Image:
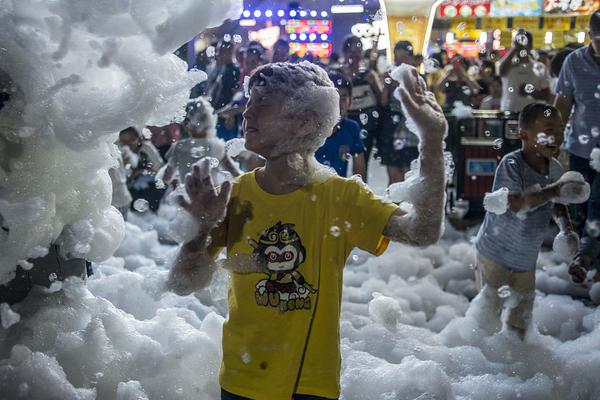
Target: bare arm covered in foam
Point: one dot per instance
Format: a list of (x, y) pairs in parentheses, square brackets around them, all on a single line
[(421, 224), (194, 266)]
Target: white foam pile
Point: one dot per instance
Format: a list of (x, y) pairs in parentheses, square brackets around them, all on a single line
[(404, 331), (77, 72), (496, 202)]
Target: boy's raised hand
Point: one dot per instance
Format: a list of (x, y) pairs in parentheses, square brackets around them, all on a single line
[(420, 104), (206, 205)]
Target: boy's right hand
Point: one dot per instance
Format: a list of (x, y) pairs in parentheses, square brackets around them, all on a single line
[(206, 205)]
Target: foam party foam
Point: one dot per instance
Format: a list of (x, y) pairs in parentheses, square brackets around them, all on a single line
[(497, 201), (77, 73)]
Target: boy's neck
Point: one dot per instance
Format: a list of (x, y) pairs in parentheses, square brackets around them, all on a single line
[(285, 174), (536, 161)]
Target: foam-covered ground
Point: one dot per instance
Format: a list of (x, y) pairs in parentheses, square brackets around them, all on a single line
[(408, 331)]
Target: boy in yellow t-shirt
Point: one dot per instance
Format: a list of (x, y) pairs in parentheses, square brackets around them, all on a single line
[(289, 227)]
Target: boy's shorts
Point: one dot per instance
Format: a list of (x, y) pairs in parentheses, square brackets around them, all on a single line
[(225, 395), (521, 284)]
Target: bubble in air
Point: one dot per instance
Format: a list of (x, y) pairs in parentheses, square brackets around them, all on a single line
[(487, 133), (52, 277), (363, 134), (213, 162), (593, 228), (399, 144), (364, 118), (388, 80), (197, 152), (547, 113), (523, 53), (522, 39), (461, 26), (597, 95), (584, 139), (160, 184), (504, 292), (335, 231), (375, 114), (511, 89), (529, 88), (595, 131), (246, 358), (497, 144), (431, 65), (141, 205)]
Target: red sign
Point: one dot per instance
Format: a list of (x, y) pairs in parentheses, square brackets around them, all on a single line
[(464, 8), (571, 7)]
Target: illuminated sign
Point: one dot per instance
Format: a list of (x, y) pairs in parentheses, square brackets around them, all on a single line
[(464, 8), (571, 7), (309, 36), (516, 8)]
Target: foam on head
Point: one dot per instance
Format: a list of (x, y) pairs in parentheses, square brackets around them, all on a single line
[(306, 89)]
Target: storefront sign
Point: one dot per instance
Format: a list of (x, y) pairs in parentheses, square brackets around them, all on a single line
[(557, 24), (516, 8), (570, 7), (527, 23), (491, 24), (464, 8)]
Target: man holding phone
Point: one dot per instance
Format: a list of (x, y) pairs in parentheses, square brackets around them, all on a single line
[(524, 80)]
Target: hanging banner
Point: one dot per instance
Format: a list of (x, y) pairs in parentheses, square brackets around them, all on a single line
[(464, 8), (570, 7), (516, 8)]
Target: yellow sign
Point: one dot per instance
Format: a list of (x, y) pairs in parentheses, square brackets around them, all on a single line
[(557, 24), (506, 39), (528, 23), (462, 24), (491, 24), (582, 23)]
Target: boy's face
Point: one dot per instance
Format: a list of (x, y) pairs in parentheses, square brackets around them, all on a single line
[(130, 139), (545, 136), (265, 123), (345, 101)]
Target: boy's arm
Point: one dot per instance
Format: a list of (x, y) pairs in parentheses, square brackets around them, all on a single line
[(422, 226), (528, 201), (193, 267), (560, 214)]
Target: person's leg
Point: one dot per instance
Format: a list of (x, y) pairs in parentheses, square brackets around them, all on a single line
[(225, 395), (490, 276), (523, 286), (590, 240)]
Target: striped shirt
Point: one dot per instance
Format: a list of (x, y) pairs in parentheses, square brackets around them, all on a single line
[(514, 240), (580, 78)]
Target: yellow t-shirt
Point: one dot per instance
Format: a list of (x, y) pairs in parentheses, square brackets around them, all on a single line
[(282, 334)]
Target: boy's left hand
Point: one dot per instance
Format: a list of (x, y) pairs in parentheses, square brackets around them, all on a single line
[(566, 244), (420, 104)]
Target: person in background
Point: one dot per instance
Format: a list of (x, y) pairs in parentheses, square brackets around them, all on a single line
[(456, 83), (164, 136), (202, 141), (143, 161), (281, 51), (578, 92), (254, 57), (524, 80), (396, 144), (225, 84), (487, 71), (556, 66), (345, 141), (206, 64), (492, 100), (508, 244), (366, 92), (435, 69)]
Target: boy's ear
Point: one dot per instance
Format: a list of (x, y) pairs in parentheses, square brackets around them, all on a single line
[(523, 134)]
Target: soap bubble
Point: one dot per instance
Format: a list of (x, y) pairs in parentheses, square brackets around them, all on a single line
[(522, 39), (523, 53), (529, 88), (547, 113), (595, 131), (504, 292), (497, 144), (197, 152), (399, 144), (335, 231), (431, 65), (160, 184), (375, 114), (584, 139), (213, 162), (511, 89), (487, 133), (363, 134), (141, 205), (461, 27), (388, 80), (364, 118)]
